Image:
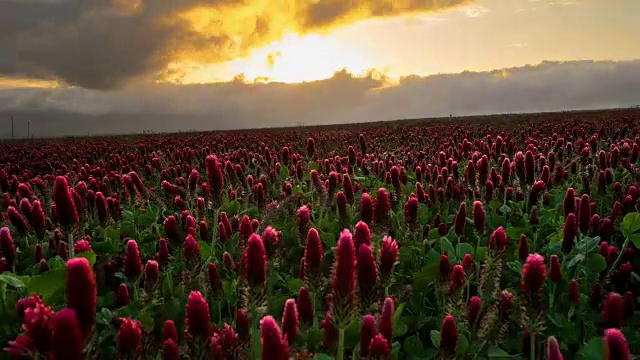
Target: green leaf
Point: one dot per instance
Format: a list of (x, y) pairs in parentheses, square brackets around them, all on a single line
[(515, 232), (232, 208), (494, 352), (465, 248), (481, 253), (435, 338), (427, 275), (399, 329), (593, 350), (284, 171), (11, 280), (205, 249), (127, 215), (395, 350), (89, 255), (462, 345), (413, 345), (128, 228), (294, 285), (446, 247), (147, 319), (505, 209), (597, 263), (315, 337), (319, 356), (631, 224), (352, 334), (48, 284), (575, 261)]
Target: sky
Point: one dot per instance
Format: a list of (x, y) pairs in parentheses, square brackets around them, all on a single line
[(236, 63)]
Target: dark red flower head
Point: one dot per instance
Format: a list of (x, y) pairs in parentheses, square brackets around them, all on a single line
[(467, 263), (290, 321), (361, 235), (245, 228), (122, 295), (379, 347), (197, 319), (533, 274), (366, 209), (66, 212), (381, 207), (271, 339), (458, 278), (460, 219), (163, 252), (553, 349), (555, 274), (170, 350), (171, 228), (151, 272), (313, 254), (305, 306), (498, 240), (615, 345), (613, 310), (81, 246), (67, 340), (569, 203), (242, 324), (411, 212), (569, 233), (573, 295), (445, 267), (385, 326), (81, 292), (191, 250), (303, 218), (17, 220), (132, 261), (388, 256), (129, 337), (367, 273), (169, 331), (8, 247), (254, 262), (475, 304), (367, 333), (479, 216), (523, 248), (449, 335), (271, 240), (344, 274)]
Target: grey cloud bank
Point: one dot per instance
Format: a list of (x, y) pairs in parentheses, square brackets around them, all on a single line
[(549, 86)]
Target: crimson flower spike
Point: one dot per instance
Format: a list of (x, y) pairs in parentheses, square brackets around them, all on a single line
[(343, 281)]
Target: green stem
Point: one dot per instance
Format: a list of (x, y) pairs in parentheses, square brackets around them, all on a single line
[(313, 309), (620, 255), (480, 349), (532, 342), (340, 355), (70, 244), (553, 296)]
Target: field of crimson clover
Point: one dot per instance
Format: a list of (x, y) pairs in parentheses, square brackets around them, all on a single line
[(459, 241)]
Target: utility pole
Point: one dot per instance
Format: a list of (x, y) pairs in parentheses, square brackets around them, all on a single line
[(29, 129), (12, 123)]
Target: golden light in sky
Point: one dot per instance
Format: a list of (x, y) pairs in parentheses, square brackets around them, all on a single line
[(294, 58), (482, 35)]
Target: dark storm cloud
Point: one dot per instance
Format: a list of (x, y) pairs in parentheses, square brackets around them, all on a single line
[(104, 44), (549, 86)]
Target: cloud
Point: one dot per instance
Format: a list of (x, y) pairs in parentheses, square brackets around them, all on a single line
[(105, 44), (344, 98)]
